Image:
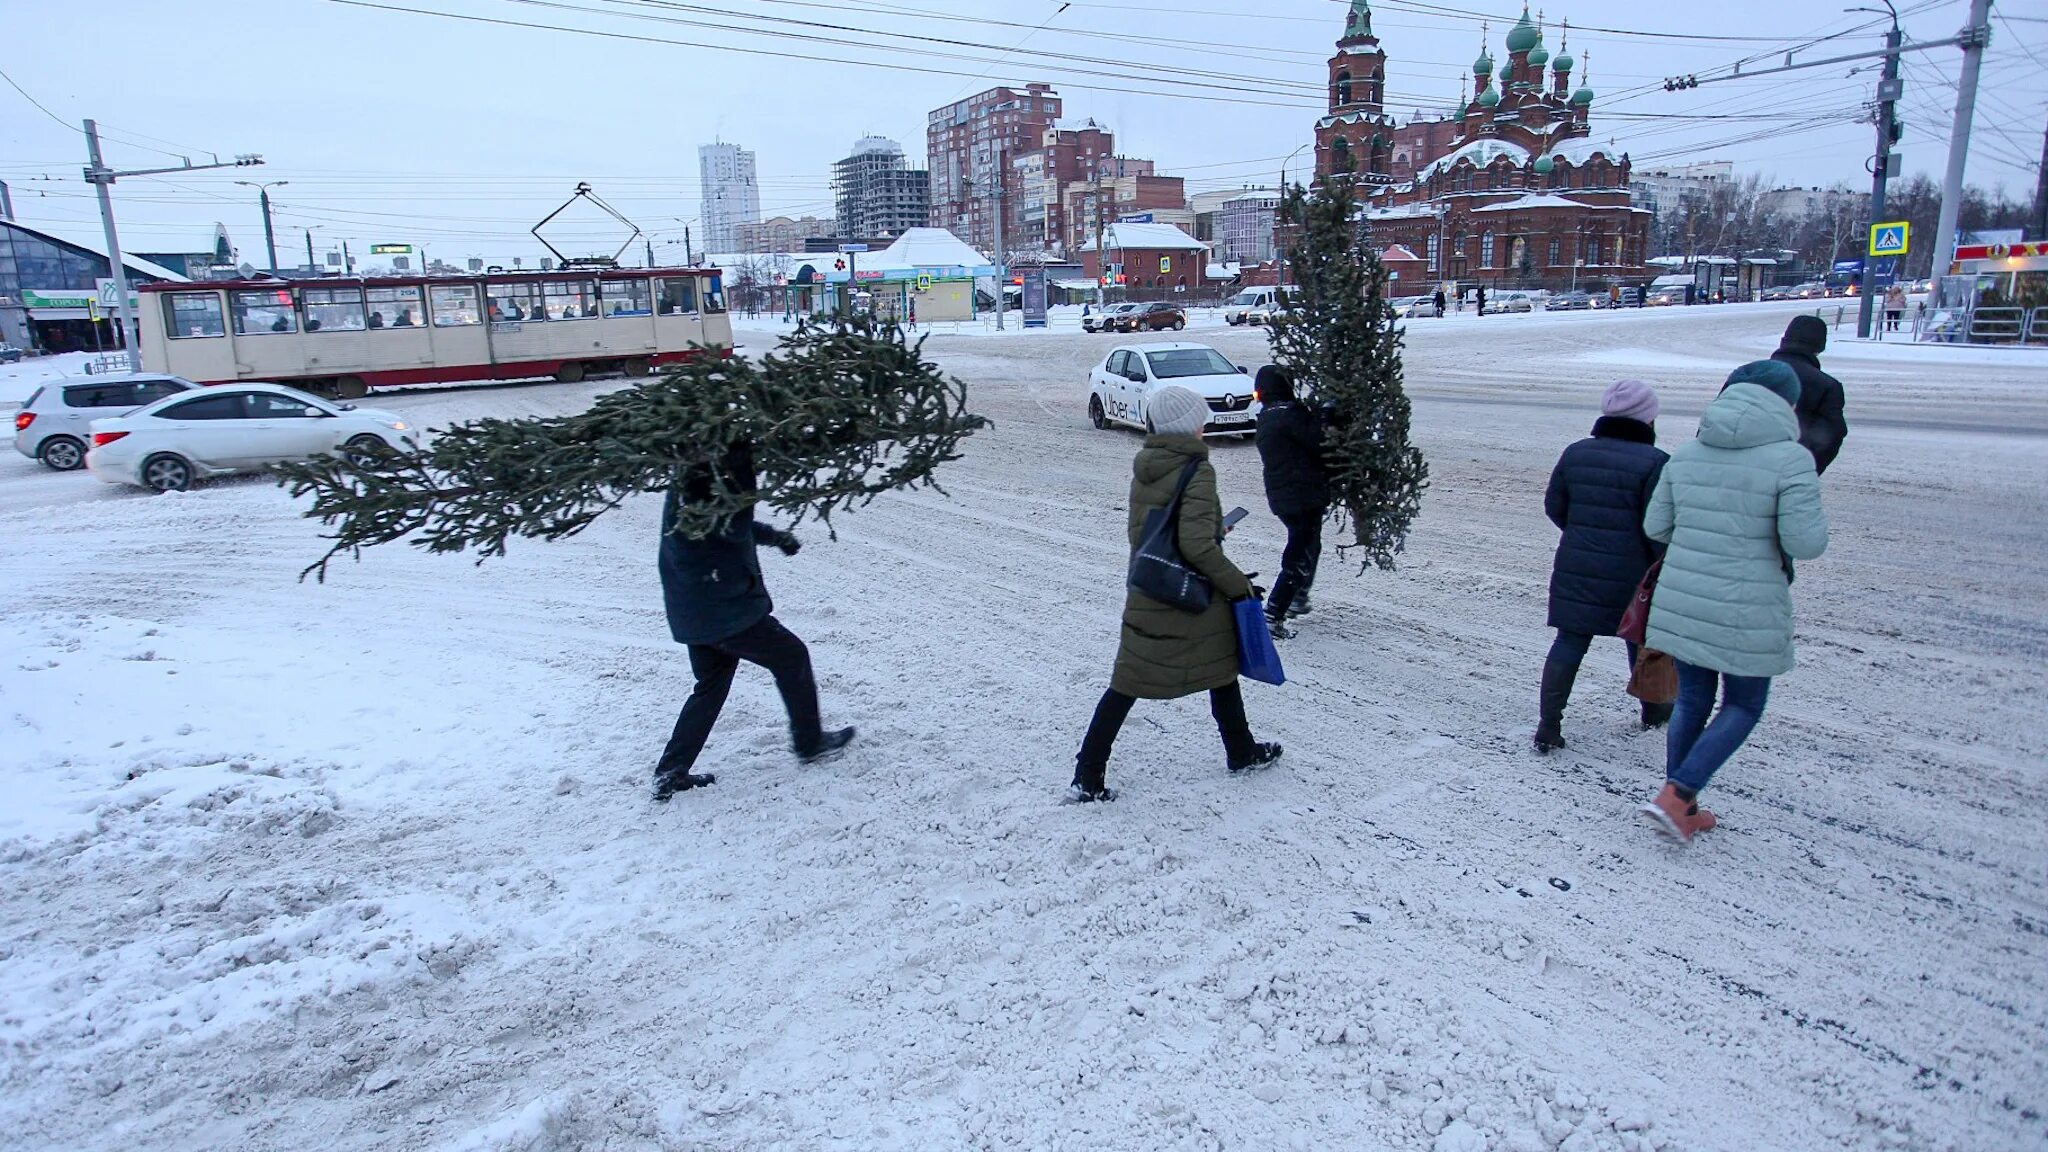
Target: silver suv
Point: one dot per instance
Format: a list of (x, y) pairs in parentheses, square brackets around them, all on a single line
[(55, 426)]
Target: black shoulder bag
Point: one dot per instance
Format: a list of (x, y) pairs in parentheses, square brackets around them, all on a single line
[(1157, 568)]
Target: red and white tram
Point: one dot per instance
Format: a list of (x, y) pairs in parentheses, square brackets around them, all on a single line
[(345, 336)]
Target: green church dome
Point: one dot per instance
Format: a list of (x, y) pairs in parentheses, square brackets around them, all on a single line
[(1583, 96), (1484, 65), (1563, 63), (1539, 56), (1490, 98), (1544, 164), (1523, 36)]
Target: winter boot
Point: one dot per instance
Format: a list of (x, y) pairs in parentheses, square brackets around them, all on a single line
[(1278, 627), (1655, 716), (1300, 607), (1555, 693), (670, 783), (1677, 817), (828, 748), (1088, 785), (1260, 756)]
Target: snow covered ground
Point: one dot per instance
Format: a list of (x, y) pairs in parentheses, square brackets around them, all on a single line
[(370, 864)]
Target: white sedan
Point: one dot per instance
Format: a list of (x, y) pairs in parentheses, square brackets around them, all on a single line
[(1119, 386), (168, 445)]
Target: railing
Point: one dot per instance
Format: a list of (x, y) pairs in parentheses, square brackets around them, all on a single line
[(2037, 327), (1998, 325), (109, 362)]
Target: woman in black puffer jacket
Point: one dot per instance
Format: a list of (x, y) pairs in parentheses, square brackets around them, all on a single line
[(1597, 496)]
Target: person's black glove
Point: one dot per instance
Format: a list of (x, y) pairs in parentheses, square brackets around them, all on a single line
[(1252, 578), (787, 543)]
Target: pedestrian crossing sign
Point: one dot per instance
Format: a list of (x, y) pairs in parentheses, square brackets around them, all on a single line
[(1890, 239)]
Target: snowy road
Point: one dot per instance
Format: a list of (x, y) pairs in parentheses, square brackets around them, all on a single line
[(370, 864)]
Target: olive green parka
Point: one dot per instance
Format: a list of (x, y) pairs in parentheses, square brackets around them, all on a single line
[(1167, 652)]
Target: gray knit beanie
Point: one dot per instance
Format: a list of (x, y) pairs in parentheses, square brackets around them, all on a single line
[(1177, 411)]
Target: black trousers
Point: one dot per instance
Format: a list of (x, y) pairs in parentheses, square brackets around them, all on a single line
[(1226, 704), (767, 644), (1298, 561)]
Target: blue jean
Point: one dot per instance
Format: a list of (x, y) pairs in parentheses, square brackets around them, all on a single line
[(1694, 748)]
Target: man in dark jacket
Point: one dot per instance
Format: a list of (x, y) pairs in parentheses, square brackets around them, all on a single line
[(718, 604), (1597, 495), (1297, 489), (1821, 426)]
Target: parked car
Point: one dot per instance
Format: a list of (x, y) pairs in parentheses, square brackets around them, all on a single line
[(1409, 307), (1150, 318), (1665, 297), (55, 425), (1247, 302), (1509, 302), (1119, 385), (169, 445), (1920, 288), (10, 353), (1569, 302), (1781, 292), (1099, 319)]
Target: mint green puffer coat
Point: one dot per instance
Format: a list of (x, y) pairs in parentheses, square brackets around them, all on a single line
[(1736, 506)]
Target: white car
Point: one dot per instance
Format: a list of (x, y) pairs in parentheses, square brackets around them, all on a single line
[(168, 445), (1118, 387), (55, 425), (1249, 303)]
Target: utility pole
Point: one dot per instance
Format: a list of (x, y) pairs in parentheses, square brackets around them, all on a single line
[(2041, 192), (312, 269), (1101, 253), (263, 198), (102, 179), (1974, 40), (1889, 89), (689, 258), (650, 253), (1002, 269)]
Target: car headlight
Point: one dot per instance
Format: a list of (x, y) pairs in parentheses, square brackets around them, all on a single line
[(397, 425)]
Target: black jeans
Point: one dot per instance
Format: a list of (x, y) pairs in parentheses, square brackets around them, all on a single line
[(771, 646), (1226, 704), (1298, 561), (1570, 649)]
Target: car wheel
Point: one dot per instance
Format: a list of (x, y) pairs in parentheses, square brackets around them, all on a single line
[(351, 388), (1096, 415), (569, 373), (166, 473), (638, 366), (1179, 324), (365, 449), (61, 453)]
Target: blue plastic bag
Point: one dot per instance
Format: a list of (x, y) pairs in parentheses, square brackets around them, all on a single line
[(1257, 658)]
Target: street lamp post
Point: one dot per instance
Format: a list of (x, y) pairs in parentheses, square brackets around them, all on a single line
[(1283, 200), (263, 198)]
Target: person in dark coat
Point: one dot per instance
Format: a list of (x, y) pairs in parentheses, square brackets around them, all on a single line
[(717, 603), (1297, 490), (1438, 300), (1597, 495), (1481, 299), (1821, 425), (1165, 652)]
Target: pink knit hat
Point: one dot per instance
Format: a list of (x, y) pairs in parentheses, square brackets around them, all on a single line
[(1630, 400)]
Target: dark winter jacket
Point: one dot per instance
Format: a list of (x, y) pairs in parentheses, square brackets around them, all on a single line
[(712, 588), (1821, 426), (1167, 652), (1597, 495), (1291, 447)]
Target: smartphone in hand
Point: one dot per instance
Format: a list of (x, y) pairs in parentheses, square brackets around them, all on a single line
[(1231, 518)]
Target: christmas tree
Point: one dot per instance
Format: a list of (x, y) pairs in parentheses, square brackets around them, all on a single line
[(1338, 338), (839, 414)]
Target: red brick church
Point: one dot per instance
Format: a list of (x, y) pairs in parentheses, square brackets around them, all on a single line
[(1512, 192)]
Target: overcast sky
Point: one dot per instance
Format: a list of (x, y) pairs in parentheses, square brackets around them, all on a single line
[(393, 126)]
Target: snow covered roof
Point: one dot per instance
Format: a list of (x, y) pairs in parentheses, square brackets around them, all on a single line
[(96, 244), (1255, 194), (1583, 149), (925, 248), (1226, 270), (1399, 252), (1404, 212), (1532, 200), (1666, 261), (1479, 153), (1156, 236)]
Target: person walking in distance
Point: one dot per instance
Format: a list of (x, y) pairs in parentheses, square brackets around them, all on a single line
[(717, 603), (1597, 496), (1290, 441), (1737, 507), (1166, 652), (1479, 300), (1894, 306), (1822, 427), (1438, 300)]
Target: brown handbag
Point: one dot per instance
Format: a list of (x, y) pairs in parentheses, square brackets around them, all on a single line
[(1654, 680)]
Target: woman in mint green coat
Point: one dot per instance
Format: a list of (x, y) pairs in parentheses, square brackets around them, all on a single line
[(1736, 506)]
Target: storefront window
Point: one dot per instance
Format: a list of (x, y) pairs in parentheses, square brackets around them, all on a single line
[(193, 314), (626, 298), (678, 295), (570, 299), (516, 302), (334, 309), (396, 307), (455, 305), (264, 312)]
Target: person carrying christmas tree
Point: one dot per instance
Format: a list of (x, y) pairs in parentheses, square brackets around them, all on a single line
[(1297, 490), (717, 604)]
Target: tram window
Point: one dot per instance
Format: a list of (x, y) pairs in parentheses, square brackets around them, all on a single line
[(395, 307), (515, 302), (455, 305), (678, 295), (193, 314), (570, 299), (334, 309), (714, 295), (625, 298), (261, 313)]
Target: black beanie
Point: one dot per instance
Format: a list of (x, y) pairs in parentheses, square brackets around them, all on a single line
[(1274, 384), (1808, 334)]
